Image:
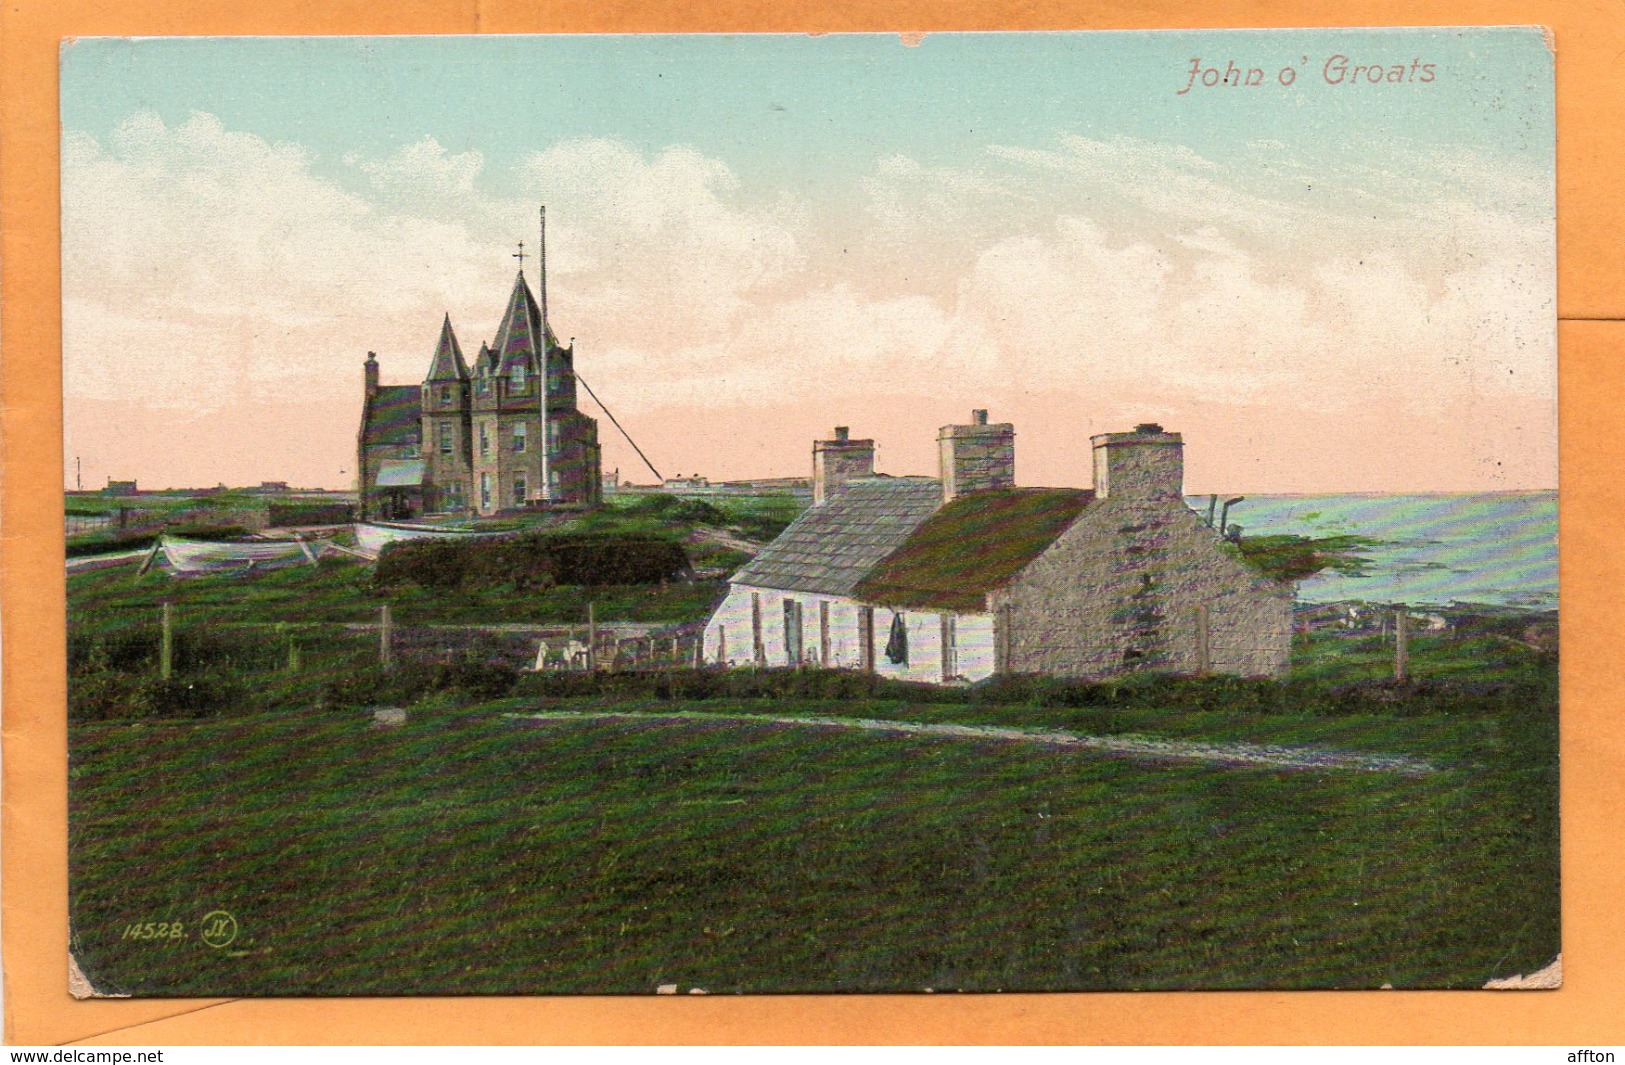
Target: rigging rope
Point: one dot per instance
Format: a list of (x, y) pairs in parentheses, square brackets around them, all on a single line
[(618, 425)]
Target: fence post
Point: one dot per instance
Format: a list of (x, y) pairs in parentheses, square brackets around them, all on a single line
[(385, 650), (166, 643), (285, 631), (1401, 652), (592, 639)]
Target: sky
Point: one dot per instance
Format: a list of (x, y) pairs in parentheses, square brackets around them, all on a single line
[(1334, 271)]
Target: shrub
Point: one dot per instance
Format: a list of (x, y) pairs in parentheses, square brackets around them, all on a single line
[(408, 682), (113, 697), (197, 649), (677, 509), (534, 562), (283, 514)]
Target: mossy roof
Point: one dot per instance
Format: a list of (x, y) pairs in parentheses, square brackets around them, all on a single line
[(971, 546)]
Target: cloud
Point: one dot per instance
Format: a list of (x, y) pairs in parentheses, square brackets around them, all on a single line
[(658, 248), (209, 270)]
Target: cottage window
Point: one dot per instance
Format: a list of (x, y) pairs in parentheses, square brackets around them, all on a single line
[(445, 395), (447, 439), (485, 439), (519, 437), (519, 489), (519, 377), (485, 491)]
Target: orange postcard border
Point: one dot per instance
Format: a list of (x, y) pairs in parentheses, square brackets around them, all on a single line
[(1588, 39)]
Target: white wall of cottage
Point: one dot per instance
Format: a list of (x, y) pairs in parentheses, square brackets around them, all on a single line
[(730, 636)]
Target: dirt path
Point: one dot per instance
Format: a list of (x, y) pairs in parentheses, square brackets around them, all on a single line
[(1240, 754)]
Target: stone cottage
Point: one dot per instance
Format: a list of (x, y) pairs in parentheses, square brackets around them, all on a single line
[(963, 576)]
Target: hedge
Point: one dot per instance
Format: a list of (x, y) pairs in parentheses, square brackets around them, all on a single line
[(532, 562)]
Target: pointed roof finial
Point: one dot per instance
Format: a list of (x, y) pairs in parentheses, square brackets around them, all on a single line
[(520, 255), (447, 363)]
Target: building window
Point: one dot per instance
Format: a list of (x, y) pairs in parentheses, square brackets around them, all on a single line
[(519, 377), (552, 435), (447, 439), (519, 489), (519, 437), (485, 438), (445, 395), (485, 386), (485, 491)]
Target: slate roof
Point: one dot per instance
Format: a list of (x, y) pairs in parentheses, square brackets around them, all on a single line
[(448, 364), (394, 416), (523, 336), (970, 547), (830, 548)]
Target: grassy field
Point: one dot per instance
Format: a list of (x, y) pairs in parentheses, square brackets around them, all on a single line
[(473, 851), (660, 829)]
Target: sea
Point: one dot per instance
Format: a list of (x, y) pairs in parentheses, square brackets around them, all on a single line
[(1482, 548)]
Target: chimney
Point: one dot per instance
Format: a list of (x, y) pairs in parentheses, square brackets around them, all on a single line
[(1148, 463), (372, 374), (977, 456), (838, 461)]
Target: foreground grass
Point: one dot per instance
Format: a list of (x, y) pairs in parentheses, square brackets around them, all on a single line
[(468, 852)]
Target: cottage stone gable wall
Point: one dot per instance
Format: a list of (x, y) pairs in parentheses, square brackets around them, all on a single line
[(1120, 590)]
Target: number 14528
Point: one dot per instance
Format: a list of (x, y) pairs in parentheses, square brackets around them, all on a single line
[(154, 930)]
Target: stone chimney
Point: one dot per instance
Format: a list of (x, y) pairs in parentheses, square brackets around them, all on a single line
[(372, 374), (977, 456), (838, 461), (1148, 463)]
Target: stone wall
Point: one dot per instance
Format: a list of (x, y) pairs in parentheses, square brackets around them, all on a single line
[(977, 457), (1120, 590), (838, 461)]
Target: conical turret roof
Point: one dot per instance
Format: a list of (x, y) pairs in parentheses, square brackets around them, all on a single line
[(448, 364), (524, 335)]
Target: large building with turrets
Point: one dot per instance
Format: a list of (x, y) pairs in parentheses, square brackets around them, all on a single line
[(500, 435)]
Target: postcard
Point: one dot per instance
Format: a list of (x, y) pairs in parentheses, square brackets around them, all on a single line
[(720, 514)]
